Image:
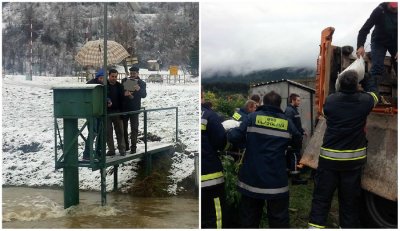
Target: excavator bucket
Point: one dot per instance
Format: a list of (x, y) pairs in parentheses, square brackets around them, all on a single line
[(380, 172), (311, 153)]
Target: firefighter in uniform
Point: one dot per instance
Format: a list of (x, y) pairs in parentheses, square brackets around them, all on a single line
[(262, 177), (342, 154), (237, 150), (293, 154), (213, 139), (249, 107)]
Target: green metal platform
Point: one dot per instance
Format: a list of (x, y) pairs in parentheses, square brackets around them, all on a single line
[(118, 159), (73, 102)]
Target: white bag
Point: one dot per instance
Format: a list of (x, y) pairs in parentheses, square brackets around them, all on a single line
[(229, 124), (358, 65)]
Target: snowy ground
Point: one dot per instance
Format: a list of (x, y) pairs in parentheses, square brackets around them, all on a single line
[(28, 132)]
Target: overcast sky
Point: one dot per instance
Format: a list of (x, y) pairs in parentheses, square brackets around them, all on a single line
[(242, 36)]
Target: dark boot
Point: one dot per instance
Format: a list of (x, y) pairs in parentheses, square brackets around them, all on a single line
[(110, 153), (296, 180)]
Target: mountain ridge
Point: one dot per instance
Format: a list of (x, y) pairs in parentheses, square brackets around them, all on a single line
[(260, 75)]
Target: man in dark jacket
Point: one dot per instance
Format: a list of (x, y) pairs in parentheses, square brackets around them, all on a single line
[(115, 92), (383, 39), (98, 79), (213, 139), (256, 98), (293, 154), (132, 102), (237, 150), (267, 133), (343, 153)]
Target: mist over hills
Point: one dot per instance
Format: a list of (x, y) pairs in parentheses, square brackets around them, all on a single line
[(260, 76)]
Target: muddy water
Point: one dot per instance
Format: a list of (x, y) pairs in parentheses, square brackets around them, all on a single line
[(43, 208)]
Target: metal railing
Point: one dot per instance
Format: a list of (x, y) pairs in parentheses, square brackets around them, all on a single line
[(145, 112), (59, 160), (69, 159)]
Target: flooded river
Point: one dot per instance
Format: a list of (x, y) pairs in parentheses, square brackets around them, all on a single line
[(44, 208)]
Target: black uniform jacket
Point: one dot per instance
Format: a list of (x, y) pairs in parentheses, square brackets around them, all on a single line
[(267, 133), (213, 139), (345, 143), (240, 114), (294, 115)]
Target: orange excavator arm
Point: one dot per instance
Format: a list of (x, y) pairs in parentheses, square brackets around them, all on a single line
[(323, 68), (324, 64)]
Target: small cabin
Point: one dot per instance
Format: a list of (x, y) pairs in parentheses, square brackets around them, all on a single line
[(284, 88), (153, 65)]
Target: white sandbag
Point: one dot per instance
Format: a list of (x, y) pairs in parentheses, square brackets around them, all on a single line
[(228, 124), (358, 65)]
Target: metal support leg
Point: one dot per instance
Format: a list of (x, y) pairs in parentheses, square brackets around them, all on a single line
[(70, 172), (196, 176), (103, 186), (115, 178), (147, 155), (148, 164)]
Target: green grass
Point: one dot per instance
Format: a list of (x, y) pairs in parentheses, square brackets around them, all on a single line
[(300, 206)]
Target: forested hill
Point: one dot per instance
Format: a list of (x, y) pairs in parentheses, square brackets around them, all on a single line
[(260, 76), (167, 32)]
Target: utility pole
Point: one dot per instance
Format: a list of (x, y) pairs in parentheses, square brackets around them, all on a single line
[(29, 76)]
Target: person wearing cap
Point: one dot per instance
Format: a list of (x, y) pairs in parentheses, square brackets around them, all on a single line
[(98, 79), (132, 102), (383, 39)]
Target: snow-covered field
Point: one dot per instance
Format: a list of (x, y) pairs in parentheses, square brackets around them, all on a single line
[(28, 132)]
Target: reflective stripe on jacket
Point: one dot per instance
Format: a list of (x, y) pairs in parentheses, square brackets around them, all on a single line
[(213, 139), (343, 155), (212, 179), (267, 133), (240, 114), (345, 144)]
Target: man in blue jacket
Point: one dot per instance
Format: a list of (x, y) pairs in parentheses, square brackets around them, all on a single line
[(383, 39), (213, 139), (293, 154), (343, 153), (98, 79), (262, 177)]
